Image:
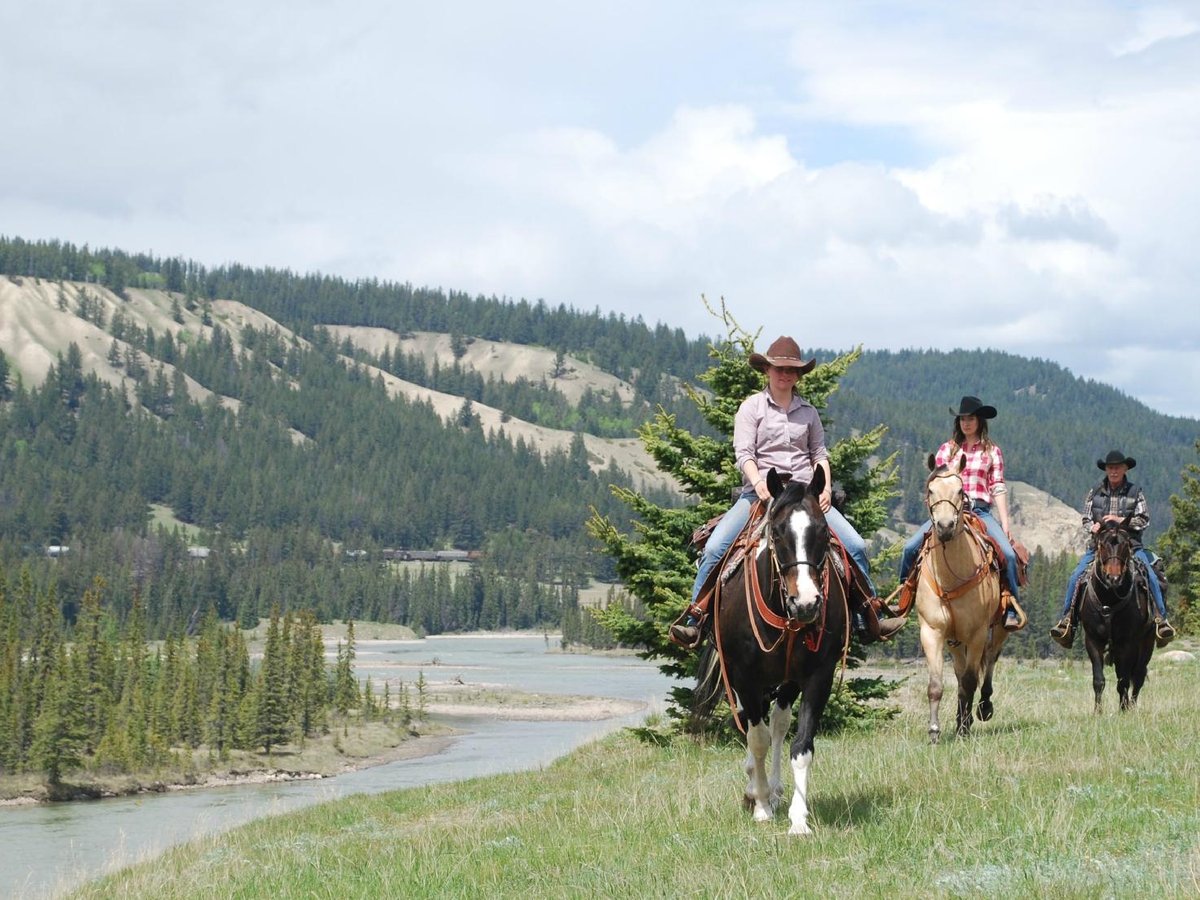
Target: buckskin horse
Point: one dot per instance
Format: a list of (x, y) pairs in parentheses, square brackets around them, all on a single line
[(1115, 615), (958, 600), (779, 629)]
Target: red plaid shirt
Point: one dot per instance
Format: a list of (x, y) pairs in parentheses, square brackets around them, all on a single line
[(983, 476)]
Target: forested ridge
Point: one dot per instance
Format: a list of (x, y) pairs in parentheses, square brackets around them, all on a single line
[(281, 450), (317, 457), (1052, 425)]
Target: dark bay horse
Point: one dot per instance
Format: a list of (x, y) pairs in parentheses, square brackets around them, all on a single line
[(958, 600), (1115, 615), (779, 629)]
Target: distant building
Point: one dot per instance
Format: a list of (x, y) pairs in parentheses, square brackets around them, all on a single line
[(200, 553), (56, 550), (431, 555)]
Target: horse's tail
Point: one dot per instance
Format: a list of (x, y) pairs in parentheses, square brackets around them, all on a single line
[(710, 688)]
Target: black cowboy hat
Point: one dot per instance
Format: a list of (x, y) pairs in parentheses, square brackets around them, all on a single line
[(1116, 457), (783, 352), (973, 406)]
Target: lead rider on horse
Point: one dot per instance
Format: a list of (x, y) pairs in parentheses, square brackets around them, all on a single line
[(1114, 498), (778, 429)]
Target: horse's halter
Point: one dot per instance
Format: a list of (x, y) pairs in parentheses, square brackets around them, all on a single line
[(817, 568), (769, 528), (957, 503), (1113, 555)]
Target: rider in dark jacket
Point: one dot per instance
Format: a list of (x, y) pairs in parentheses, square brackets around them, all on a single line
[(1114, 498)]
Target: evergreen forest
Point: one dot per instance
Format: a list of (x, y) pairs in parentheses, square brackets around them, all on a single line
[(299, 469)]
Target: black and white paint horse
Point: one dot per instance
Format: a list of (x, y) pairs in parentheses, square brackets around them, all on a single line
[(779, 630)]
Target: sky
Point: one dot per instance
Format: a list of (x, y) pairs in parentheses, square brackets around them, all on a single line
[(1016, 176)]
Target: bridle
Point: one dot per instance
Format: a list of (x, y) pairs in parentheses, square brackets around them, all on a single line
[(779, 567), (958, 503), (1113, 555), (787, 626)]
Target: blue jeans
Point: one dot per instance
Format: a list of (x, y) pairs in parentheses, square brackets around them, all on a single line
[(732, 523), (913, 546), (1141, 553)]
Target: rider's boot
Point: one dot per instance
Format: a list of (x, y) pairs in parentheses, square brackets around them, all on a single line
[(890, 625), (1012, 621), (1064, 632), (1164, 632), (870, 626), (687, 633)]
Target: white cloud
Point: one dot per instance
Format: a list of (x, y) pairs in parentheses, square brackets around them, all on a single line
[(1022, 176)]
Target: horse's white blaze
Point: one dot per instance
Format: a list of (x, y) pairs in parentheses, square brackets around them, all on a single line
[(808, 590), (798, 811)]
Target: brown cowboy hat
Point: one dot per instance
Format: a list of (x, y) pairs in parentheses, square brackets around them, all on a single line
[(783, 352), (973, 406), (1116, 457)]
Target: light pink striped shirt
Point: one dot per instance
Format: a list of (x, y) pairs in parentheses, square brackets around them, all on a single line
[(791, 441)]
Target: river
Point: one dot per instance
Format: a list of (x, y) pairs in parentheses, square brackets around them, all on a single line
[(47, 849)]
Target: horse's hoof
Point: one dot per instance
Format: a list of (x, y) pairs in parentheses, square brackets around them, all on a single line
[(934, 736), (763, 814), (985, 710), (801, 829)]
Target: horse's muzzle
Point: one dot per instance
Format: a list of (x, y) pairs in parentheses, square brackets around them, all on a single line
[(804, 612)]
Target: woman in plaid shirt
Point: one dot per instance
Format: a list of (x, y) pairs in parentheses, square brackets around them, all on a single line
[(983, 483)]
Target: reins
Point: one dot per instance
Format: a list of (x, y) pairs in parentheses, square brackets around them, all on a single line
[(1095, 578), (787, 627), (964, 584)]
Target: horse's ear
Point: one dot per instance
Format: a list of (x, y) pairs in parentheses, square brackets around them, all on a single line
[(962, 462), (1125, 522), (818, 481), (931, 461), (774, 483)]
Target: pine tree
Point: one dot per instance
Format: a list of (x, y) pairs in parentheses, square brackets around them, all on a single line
[(59, 733), (1180, 548), (345, 688), (308, 652), (97, 665), (656, 564), (272, 713)]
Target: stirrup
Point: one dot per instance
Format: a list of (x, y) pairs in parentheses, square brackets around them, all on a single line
[(687, 635), (1164, 632), (1012, 610), (1063, 633)]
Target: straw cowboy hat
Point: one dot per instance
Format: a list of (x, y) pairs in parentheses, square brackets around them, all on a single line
[(973, 406), (1116, 457), (783, 352)]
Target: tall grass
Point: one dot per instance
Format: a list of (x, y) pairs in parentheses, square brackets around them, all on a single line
[(1046, 800)]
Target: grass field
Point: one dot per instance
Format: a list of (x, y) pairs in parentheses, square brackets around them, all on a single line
[(1046, 800)]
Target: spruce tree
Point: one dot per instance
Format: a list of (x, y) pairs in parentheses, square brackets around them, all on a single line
[(656, 563), (1180, 547), (272, 713), (59, 733), (345, 689)]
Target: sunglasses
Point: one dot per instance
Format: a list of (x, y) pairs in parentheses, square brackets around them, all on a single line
[(787, 370)]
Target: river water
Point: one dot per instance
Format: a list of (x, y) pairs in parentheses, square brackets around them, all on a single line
[(49, 848)]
